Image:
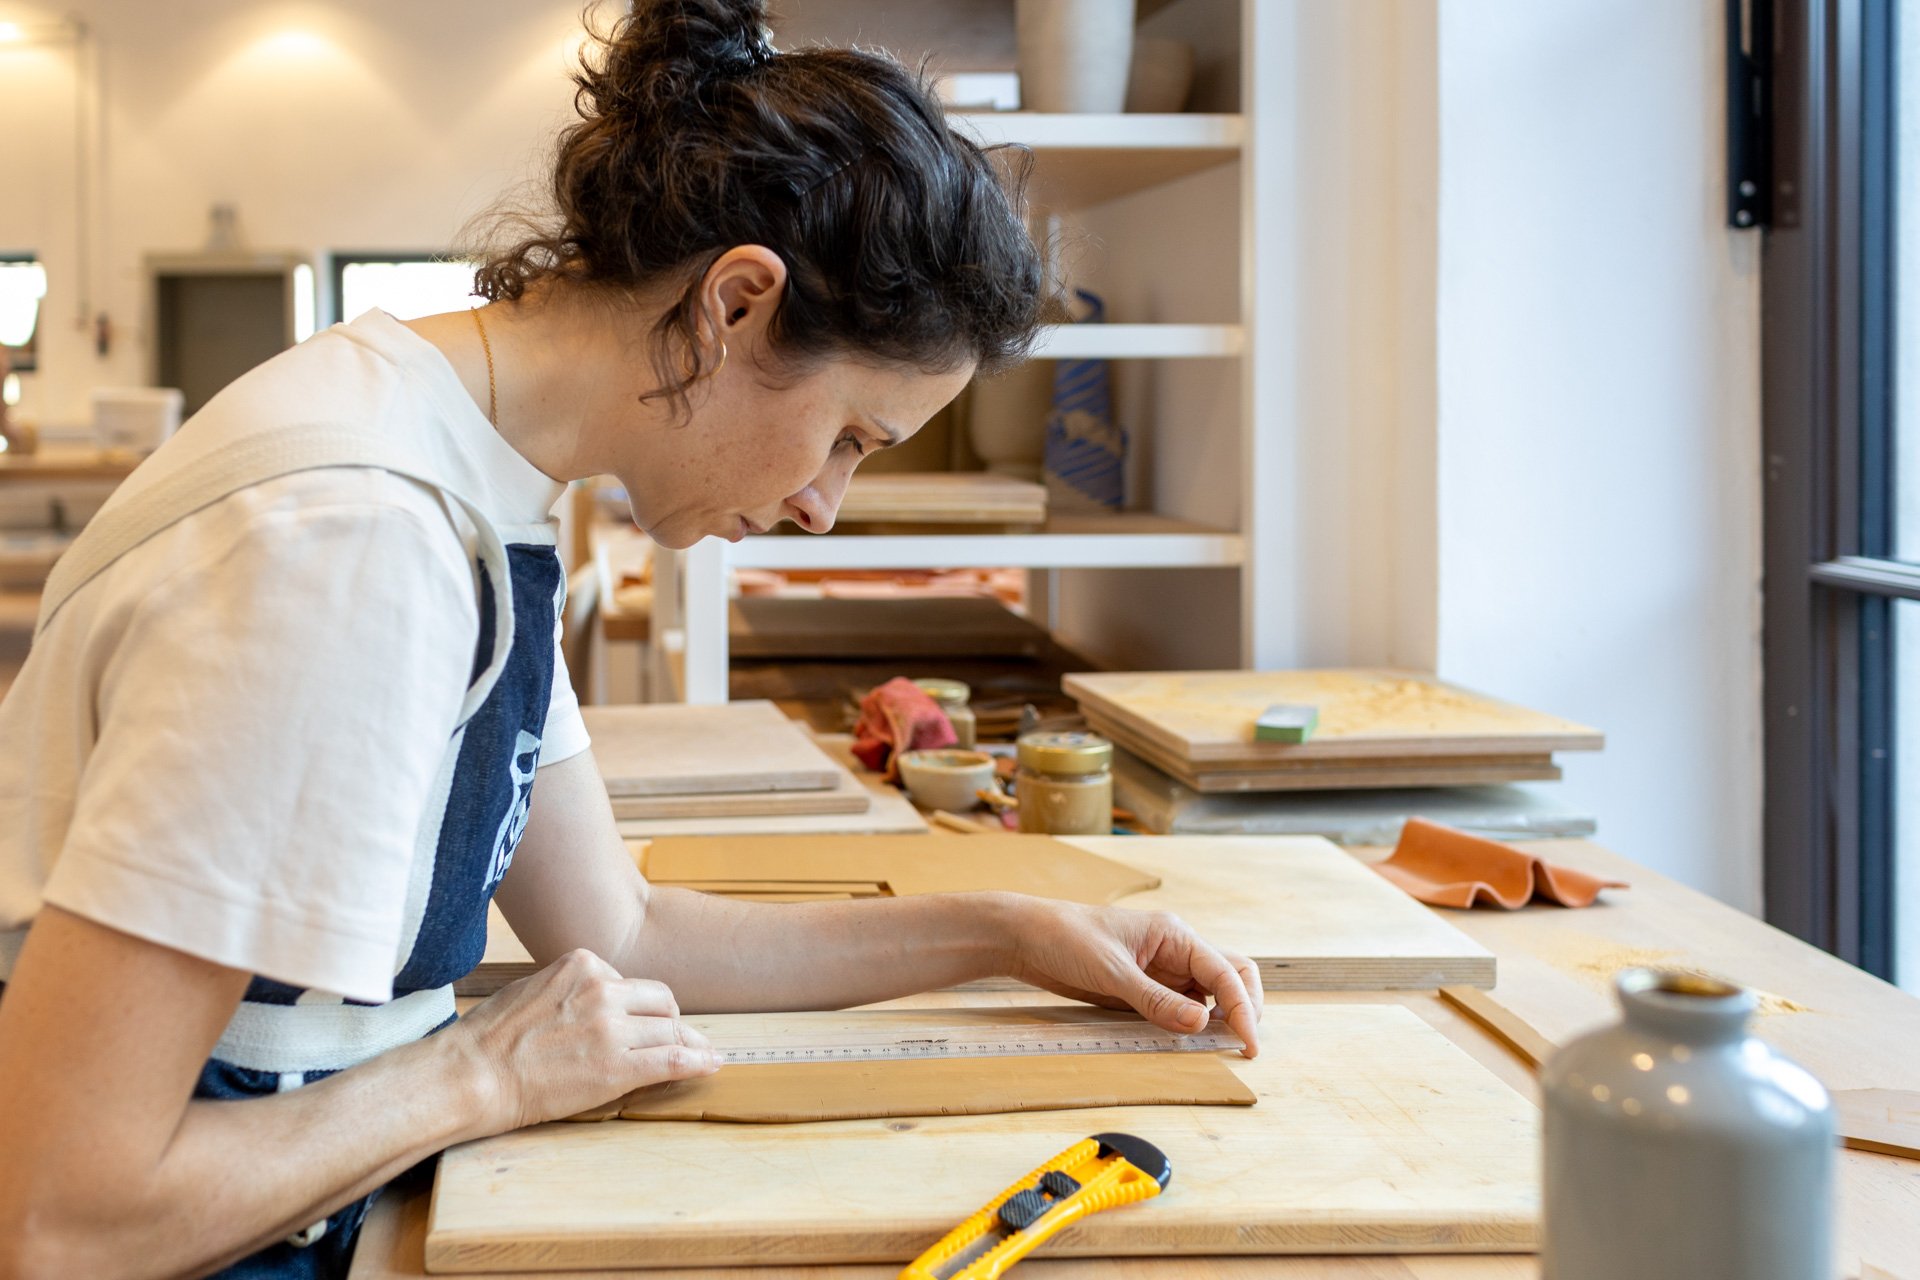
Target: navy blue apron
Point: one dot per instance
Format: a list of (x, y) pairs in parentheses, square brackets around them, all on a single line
[(486, 813)]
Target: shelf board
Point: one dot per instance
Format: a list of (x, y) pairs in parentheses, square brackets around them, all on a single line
[(1083, 160), (1127, 541), (1138, 341)]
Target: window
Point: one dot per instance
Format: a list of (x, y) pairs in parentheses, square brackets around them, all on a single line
[(23, 284), (405, 285), (1841, 387)]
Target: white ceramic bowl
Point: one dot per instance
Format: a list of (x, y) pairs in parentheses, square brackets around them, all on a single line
[(948, 778)]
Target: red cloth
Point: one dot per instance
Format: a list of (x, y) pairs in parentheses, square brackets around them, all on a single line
[(899, 716), (1445, 867)]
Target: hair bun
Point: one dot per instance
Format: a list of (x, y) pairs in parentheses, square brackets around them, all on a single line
[(663, 50)]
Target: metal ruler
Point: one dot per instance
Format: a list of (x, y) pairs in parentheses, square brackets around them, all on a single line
[(977, 1041)]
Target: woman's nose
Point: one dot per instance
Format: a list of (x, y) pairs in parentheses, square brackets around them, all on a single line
[(814, 507)]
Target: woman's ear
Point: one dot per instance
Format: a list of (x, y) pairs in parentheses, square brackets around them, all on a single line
[(742, 291)]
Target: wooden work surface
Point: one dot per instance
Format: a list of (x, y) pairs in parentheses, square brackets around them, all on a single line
[(1879, 1196), (65, 463), (1372, 1133)]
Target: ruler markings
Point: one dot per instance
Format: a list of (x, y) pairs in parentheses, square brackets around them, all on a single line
[(985, 1042)]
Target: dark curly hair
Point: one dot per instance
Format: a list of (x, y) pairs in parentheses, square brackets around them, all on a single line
[(696, 135)]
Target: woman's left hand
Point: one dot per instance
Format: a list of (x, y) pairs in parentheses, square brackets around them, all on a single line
[(1149, 961)]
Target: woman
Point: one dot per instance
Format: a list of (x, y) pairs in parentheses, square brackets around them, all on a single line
[(295, 713)]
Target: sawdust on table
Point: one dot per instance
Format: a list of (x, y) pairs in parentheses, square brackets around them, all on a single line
[(1603, 967)]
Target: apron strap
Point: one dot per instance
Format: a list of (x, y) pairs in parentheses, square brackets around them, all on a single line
[(188, 479)]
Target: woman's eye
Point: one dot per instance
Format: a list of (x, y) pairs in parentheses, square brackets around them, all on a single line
[(859, 445)]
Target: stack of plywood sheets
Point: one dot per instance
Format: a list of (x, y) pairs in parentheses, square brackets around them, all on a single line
[(943, 497), (1376, 729), (1371, 1134), (738, 760)]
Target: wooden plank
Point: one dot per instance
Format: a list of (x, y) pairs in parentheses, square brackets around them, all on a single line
[(1338, 773), (943, 497), (848, 797), (1346, 1152), (948, 627), (672, 749), (1206, 717), (1886, 1121)]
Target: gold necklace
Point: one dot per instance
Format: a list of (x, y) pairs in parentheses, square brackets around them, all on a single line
[(493, 400)]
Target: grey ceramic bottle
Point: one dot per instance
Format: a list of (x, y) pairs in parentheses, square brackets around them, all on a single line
[(1679, 1147)]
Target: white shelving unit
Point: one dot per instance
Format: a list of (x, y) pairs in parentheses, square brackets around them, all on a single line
[(1138, 341), (1080, 162)]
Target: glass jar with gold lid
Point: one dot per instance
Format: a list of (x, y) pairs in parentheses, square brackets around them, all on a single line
[(953, 697), (1065, 784)]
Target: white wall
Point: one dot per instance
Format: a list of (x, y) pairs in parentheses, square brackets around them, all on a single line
[(1598, 428), (355, 124), (1519, 440)]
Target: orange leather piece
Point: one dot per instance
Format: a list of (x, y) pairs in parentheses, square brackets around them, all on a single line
[(1445, 867)]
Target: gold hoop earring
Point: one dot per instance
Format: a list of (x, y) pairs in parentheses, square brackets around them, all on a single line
[(690, 367)]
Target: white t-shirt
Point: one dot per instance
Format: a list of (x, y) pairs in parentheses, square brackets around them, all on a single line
[(235, 741)]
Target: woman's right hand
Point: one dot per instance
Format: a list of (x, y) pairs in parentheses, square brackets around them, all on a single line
[(573, 1036)]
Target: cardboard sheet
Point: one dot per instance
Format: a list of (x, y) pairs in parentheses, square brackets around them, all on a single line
[(1017, 863), (796, 1092)]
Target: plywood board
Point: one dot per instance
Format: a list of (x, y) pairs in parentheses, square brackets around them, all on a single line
[(1309, 915), (943, 497), (1340, 773), (1206, 717), (1370, 816), (848, 797), (946, 627), (1372, 1134), (673, 749), (890, 813)]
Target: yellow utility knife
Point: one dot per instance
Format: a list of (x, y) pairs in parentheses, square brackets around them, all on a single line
[(1103, 1172)]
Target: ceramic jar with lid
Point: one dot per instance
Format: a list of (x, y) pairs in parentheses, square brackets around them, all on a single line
[(953, 697), (1678, 1146), (1065, 784)]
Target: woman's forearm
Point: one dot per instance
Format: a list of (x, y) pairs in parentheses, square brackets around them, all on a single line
[(283, 1162), (111, 1171), (354, 1132), (720, 955)]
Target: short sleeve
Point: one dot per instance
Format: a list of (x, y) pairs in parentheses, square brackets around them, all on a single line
[(270, 725)]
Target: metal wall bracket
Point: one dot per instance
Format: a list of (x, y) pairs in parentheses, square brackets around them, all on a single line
[(1749, 113)]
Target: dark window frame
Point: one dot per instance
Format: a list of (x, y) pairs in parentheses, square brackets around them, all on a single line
[(1827, 399), (339, 260), (26, 358)]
